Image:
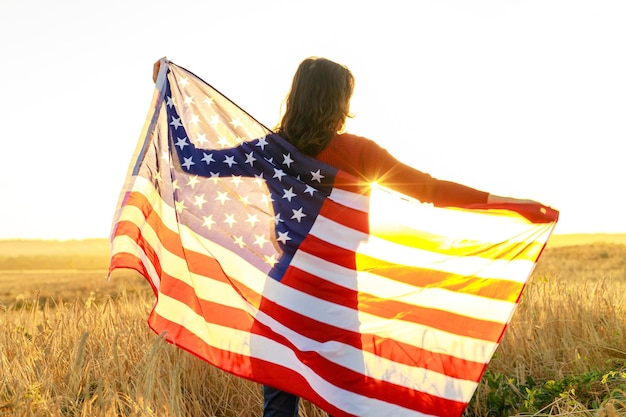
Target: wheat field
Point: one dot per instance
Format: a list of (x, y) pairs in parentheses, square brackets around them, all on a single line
[(73, 344)]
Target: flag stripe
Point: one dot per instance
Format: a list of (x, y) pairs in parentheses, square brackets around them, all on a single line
[(172, 309), (452, 224), (460, 303), (420, 277), (283, 377), (343, 216), (391, 307), (337, 234)]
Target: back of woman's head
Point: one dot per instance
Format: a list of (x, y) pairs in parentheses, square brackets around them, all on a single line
[(317, 104)]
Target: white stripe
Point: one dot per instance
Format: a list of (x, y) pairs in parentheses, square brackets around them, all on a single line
[(124, 244), (469, 305), (263, 348), (388, 210), (371, 365), (349, 199), (516, 270)]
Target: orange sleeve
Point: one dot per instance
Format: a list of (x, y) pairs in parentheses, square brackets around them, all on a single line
[(366, 159)]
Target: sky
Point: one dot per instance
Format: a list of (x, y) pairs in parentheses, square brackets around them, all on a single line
[(518, 98)]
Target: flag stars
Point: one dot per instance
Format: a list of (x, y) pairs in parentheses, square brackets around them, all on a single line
[(176, 122), (238, 240), (298, 214), (279, 173), (214, 176), (245, 200), (193, 181), (283, 237), (289, 194), (258, 179), (201, 139), (236, 123), (188, 163), (194, 119), (271, 260), (260, 240), (180, 206), (199, 201), (230, 160), (253, 219), (223, 141), (222, 197), (287, 160), (208, 158), (236, 179), (230, 219), (277, 219), (181, 142), (266, 200), (183, 82), (250, 158), (310, 190), (208, 222), (261, 143), (316, 176), (209, 101), (169, 102), (188, 99), (215, 120)]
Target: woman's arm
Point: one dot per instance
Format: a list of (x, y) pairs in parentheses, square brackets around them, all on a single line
[(500, 199)]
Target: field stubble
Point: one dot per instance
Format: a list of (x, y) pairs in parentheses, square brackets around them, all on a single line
[(74, 344)]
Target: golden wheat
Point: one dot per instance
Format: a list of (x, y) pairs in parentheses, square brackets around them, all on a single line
[(93, 354)]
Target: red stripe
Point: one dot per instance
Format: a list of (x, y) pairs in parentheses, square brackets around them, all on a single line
[(418, 277), (130, 261), (340, 376), (495, 289), (244, 366), (410, 237), (387, 308), (347, 182), (346, 216), (171, 241)]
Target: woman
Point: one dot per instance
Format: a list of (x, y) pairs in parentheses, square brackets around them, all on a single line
[(316, 110)]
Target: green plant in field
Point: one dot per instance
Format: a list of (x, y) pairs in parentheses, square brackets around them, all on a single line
[(503, 396)]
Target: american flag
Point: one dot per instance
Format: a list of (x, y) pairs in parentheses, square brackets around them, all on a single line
[(281, 269)]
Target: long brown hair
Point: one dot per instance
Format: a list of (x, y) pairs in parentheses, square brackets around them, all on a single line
[(317, 104)]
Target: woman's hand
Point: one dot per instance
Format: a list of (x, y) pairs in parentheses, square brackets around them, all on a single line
[(155, 69)]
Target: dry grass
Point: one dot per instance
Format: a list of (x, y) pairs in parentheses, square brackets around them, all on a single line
[(72, 344)]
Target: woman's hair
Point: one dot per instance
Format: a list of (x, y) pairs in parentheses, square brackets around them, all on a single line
[(317, 104)]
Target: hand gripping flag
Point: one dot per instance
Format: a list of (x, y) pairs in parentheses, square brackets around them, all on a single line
[(278, 268)]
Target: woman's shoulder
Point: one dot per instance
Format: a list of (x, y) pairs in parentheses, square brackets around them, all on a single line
[(351, 138)]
